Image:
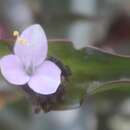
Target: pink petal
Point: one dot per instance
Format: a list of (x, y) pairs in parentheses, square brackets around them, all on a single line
[(34, 50), (46, 79), (13, 71)]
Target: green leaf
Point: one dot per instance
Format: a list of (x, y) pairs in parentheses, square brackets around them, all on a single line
[(122, 85), (5, 47), (93, 70)]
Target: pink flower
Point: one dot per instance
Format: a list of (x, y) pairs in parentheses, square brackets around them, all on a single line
[(28, 64)]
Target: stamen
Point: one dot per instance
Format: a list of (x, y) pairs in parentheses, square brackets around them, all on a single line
[(16, 33), (20, 39)]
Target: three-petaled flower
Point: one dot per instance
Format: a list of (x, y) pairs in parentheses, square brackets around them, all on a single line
[(28, 64)]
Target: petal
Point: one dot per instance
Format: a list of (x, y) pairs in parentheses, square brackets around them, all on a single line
[(34, 48), (46, 79), (13, 71)]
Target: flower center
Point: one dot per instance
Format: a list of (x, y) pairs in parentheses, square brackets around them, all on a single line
[(29, 69)]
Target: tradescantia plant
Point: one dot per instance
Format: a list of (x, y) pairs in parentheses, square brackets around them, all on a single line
[(29, 67), (65, 77)]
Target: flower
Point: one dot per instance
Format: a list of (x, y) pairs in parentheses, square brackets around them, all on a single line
[(28, 64)]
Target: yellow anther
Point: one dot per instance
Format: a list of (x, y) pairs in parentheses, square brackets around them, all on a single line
[(16, 33), (20, 39)]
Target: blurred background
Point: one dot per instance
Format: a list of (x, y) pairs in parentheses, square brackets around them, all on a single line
[(102, 23)]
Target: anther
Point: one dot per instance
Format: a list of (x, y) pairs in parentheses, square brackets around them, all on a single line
[(20, 39), (15, 33)]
